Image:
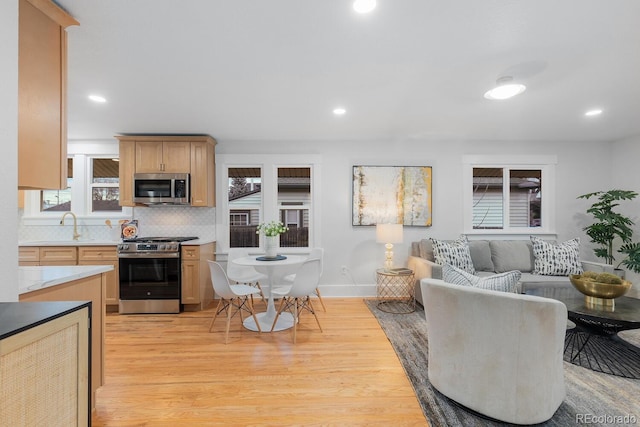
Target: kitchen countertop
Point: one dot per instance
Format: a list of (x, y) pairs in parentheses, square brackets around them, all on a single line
[(16, 317), (68, 243), (196, 242), (35, 278)]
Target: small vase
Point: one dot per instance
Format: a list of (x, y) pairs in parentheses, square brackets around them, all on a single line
[(271, 245)]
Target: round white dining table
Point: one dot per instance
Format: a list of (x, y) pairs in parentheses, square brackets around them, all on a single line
[(275, 270)]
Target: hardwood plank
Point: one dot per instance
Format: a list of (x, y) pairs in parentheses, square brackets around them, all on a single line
[(167, 370)]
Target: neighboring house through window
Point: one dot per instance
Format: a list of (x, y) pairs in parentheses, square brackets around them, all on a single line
[(278, 188), (506, 194), (93, 193)]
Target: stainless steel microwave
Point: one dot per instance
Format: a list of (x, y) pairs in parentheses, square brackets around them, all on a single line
[(161, 188)]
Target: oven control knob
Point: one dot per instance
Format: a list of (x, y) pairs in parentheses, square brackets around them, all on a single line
[(161, 247)]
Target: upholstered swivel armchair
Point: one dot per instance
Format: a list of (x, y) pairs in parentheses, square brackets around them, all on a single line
[(496, 353)]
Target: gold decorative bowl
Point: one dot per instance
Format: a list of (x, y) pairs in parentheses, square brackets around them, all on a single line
[(598, 294)]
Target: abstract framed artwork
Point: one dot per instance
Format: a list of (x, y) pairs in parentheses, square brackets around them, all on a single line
[(392, 194)]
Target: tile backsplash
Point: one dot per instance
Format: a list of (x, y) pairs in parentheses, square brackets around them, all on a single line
[(152, 221)]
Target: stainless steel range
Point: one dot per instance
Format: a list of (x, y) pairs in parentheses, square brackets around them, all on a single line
[(150, 274)]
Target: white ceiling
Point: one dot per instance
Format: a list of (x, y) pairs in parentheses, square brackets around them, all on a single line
[(411, 70)]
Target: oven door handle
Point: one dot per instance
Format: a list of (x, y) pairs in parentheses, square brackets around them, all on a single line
[(148, 255)]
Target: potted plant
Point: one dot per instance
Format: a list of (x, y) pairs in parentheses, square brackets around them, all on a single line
[(611, 225), (272, 230)]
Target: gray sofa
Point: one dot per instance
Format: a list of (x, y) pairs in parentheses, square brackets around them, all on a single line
[(491, 257)]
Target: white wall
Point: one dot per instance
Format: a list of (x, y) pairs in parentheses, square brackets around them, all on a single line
[(356, 248), (9, 149), (625, 176)]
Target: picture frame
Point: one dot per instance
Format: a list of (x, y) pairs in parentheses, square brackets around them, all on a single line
[(392, 194)]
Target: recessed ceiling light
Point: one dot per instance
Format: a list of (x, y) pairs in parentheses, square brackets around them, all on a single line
[(364, 6), (505, 88), (339, 111), (594, 112), (97, 98)]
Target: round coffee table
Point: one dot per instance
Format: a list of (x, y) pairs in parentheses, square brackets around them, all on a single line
[(594, 342)]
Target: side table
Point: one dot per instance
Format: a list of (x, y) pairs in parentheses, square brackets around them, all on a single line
[(395, 290)]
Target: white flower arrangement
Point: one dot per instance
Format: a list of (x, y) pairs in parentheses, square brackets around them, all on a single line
[(271, 229)]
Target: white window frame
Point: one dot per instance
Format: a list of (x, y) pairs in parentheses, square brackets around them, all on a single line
[(546, 164), (80, 197), (270, 209), (244, 215), (91, 185)]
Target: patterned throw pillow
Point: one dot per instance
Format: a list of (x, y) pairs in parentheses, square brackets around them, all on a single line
[(556, 260), (505, 282), (455, 253)]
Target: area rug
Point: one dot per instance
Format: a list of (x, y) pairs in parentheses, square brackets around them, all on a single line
[(593, 398)]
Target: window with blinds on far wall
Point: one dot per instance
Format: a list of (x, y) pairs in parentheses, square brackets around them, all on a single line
[(493, 201)]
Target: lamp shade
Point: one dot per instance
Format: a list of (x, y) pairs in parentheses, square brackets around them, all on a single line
[(389, 233)]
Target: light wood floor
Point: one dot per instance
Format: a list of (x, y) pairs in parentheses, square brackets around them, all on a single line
[(167, 370)]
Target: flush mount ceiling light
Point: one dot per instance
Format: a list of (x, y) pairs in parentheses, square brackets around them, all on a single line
[(594, 112), (364, 6), (339, 111), (505, 88), (98, 98)]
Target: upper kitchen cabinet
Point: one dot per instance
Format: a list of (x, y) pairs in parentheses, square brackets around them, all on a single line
[(163, 156), (192, 154), (202, 171), (42, 87)]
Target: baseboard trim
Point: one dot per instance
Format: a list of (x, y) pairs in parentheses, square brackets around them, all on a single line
[(348, 290)]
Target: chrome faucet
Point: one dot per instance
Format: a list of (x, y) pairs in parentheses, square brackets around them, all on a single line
[(76, 235)]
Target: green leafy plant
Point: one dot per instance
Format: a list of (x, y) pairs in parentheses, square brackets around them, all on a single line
[(273, 228), (611, 225)]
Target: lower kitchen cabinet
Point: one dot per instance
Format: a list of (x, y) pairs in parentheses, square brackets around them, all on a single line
[(58, 255), (197, 290), (104, 255), (47, 255), (78, 255), (44, 364)]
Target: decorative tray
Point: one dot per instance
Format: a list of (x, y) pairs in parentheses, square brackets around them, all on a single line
[(271, 258)]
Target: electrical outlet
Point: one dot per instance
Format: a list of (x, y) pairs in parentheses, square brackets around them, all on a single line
[(345, 270)]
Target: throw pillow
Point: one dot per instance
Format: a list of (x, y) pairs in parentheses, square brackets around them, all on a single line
[(455, 253), (505, 282), (556, 260)]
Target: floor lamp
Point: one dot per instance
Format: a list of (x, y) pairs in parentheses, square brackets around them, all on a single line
[(389, 234)]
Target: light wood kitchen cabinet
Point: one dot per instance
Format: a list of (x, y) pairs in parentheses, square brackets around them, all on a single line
[(197, 290), (47, 255), (58, 255), (127, 167), (104, 255), (203, 180), (78, 255), (28, 255), (42, 87), (192, 154), (44, 364), (163, 156)]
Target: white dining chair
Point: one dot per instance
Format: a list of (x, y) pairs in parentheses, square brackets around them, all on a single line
[(233, 298), (243, 274), (296, 297), (315, 253)]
